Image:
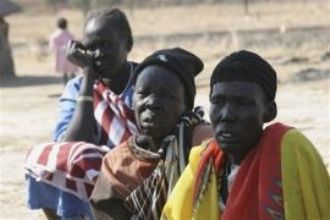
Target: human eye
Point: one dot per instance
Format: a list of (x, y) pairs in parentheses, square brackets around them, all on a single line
[(245, 102), (216, 100), (141, 91)]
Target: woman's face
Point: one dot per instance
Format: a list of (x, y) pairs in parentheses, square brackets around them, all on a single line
[(237, 114), (104, 42), (158, 101)]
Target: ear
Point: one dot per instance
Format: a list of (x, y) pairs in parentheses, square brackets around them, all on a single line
[(270, 111)]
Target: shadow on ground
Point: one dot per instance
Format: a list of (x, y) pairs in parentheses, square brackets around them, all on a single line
[(24, 81)]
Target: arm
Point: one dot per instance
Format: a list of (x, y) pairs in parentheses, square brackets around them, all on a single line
[(67, 106), (82, 125), (52, 43)]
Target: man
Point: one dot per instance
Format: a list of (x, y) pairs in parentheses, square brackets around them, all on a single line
[(248, 172)]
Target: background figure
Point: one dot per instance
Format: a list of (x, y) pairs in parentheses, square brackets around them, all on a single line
[(6, 61), (57, 44)]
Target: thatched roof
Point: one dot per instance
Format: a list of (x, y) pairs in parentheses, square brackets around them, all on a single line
[(7, 7)]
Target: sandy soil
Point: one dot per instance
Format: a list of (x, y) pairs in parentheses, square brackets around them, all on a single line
[(28, 105)]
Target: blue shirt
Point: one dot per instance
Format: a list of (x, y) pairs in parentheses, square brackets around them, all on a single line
[(67, 104)]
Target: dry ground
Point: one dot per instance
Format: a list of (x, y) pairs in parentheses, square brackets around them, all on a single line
[(28, 105)]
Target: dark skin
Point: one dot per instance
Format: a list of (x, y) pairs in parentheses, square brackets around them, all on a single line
[(238, 112), (158, 101), (103, 54)]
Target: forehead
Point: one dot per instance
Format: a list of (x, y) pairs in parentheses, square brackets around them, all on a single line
[(158, 76), (99, 27), (239, 89)]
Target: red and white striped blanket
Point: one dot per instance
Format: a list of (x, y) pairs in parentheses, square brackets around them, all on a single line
[(74, 166), (115, 120)]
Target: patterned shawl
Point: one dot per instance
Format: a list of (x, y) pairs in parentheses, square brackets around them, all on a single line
[(74, 166), (147, 200)]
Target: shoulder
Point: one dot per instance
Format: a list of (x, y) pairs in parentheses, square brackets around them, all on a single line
[(296, 148), (295, 140), (305, 179), (196, 154), (69, 34), (55, 34)]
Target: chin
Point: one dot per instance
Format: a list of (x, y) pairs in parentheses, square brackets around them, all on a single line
[(105, 72), (225, 147)]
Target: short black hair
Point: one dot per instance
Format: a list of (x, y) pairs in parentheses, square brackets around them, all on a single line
[(118, 18), (246, 66), (62, 23)]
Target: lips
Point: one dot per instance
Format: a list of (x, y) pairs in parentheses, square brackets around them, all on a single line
[(150, 122), (226, 136)]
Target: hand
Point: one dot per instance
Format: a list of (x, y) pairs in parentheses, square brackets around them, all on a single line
[(145, 142), (76, 53)]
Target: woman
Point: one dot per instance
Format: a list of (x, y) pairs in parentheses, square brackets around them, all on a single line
[(138, 175), (249, 170), (94, 108), (57, 44)]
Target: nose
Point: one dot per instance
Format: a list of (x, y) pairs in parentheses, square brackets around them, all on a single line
[(152, 102), (228, 113)]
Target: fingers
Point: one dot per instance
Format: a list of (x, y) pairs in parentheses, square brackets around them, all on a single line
[(75, 52)]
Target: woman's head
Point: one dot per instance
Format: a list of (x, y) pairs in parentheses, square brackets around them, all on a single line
[(108, 37), (243, 88), (164, 88)]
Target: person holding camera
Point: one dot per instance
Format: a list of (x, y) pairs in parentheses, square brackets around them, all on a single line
[(95, 115)]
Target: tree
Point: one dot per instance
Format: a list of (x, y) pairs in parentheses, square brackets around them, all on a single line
[(246, 6), (7, 69)]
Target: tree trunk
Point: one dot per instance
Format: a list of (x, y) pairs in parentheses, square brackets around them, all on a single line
[(246, 7), (6, 61)]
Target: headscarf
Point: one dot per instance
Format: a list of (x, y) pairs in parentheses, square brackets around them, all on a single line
[(179, 61)]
